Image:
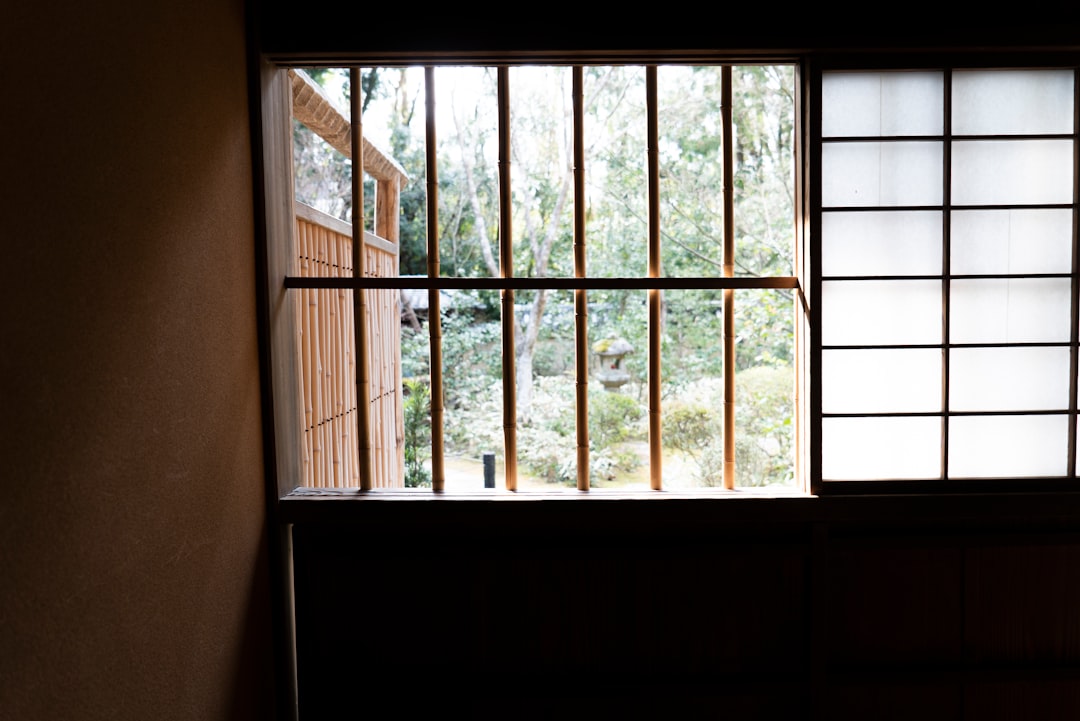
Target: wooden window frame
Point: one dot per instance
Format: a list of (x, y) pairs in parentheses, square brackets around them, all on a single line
[(283, 278), (944, 63), (277, 184)]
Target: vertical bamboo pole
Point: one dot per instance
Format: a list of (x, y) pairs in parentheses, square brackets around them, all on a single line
[(506, 268), (316, 378), (363, 403), (653, 154), (341, 362), (581, 307), (334, 345), (438, 473), (306, 300), (326, 406), (729, 272)]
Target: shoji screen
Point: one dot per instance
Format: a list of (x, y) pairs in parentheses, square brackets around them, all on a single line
[(948, 283)]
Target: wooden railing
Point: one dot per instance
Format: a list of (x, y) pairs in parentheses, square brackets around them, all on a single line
[(326, 325)]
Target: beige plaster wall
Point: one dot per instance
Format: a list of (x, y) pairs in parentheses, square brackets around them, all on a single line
[(133, 582)]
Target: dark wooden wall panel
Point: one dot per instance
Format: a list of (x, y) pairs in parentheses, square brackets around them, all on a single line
[(893, 606), (797, 620), (1023, 602)]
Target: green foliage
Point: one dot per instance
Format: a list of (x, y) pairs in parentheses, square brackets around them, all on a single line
[(693, 425), (689, 427), (613, 418), (417, 409)]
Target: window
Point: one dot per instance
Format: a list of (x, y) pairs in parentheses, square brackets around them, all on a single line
[(948, 275), (594, 262), (901, 251)]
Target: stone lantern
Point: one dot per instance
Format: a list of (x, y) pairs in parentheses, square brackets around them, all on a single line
[(611, 352)]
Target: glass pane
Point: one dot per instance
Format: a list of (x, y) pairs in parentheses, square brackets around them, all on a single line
[(1008, 379), (764, 388), (763, 114), (881, 380), (1011, 241), (618, 389), (691, 169), (1004, 446), (881, 243), (1012, 171), (692, 410), (880, 312), (880, 448), (542, 184), (322, 175), (886, 174), (472, 386), (467, 135), (616, 186), (546, 390), (1009, 310), (995, 102), (881, 104)]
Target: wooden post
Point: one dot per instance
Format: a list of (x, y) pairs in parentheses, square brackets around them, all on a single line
[(581, 307), (729, 272), (653, 155), (506, 268), (438, 472), (363, 383)]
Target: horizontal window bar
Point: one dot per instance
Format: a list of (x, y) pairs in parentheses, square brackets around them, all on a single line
[(952, 276), (941, 138), (907, 346), (926, 414), (780, 282), (952, 206)]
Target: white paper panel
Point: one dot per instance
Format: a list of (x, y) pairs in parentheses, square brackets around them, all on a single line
[(999, 102), (881, 380), (1009, 310), (1009, 379), (1025, 240), (1012, 171), (880, 174), (881, 243), (879, 312), (1008, 446), (881, 104), (880, 448)]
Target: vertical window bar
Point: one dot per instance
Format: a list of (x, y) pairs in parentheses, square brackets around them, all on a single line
[(363, 383), (812, 166), (438, 474), (946, 265), (1074, 334), (581, 308), (506, 268), (729, 272), (655, 297)]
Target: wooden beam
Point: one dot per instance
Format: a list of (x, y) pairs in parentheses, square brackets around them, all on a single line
[(314, 108)]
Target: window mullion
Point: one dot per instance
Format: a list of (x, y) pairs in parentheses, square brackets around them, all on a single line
[(946, 266), (729, 272), (360, 325), (655, 298), (1074, 316), (581, 308), (506, 267), (438, 473)]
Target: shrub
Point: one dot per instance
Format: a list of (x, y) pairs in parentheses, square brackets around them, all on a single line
[(417, 423)]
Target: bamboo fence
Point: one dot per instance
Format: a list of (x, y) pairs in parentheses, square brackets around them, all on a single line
[(327, 349), (335, 456)]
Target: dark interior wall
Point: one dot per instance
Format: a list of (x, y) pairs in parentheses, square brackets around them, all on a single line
[(133, 582), (801, 609)]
